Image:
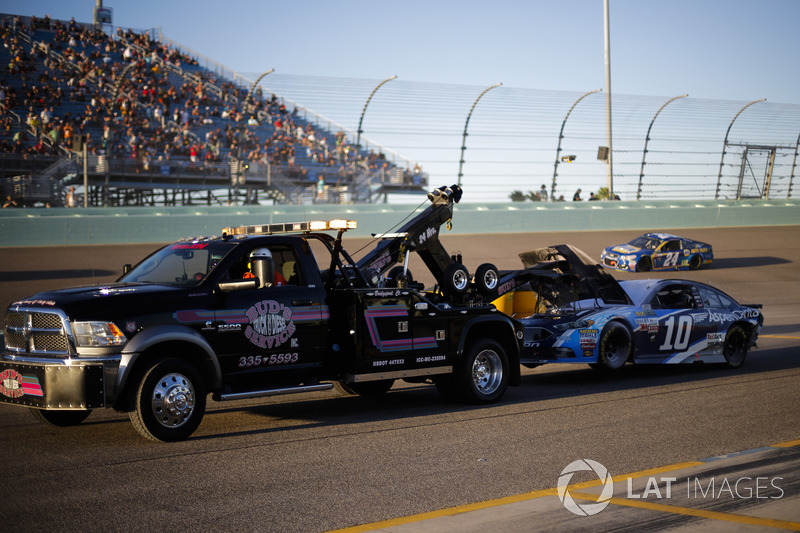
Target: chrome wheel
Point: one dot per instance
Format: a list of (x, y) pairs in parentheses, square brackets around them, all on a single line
[(487, 372), (173, 400), (167, 400)]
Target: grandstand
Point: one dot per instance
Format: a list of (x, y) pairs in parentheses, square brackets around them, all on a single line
[(130, 120)]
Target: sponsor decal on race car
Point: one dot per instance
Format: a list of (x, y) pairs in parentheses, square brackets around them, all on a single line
[(647, 324), (270, 324), (733, 316), (715, 339), (588, 339), (15, 385)]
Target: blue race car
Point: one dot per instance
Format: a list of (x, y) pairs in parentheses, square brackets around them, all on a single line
[(657, 251), (575, 312)]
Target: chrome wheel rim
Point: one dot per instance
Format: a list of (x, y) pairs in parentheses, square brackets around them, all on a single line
[(490, 280), (460, 280), (173, 400), (487, 372)]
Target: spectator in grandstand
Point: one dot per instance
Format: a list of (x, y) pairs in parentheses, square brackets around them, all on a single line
[(577, 196), (320, 187), (71, 200), (592, 197), (543, 193), (9, 202)]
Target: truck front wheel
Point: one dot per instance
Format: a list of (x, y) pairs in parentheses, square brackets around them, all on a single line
[(483, 375), (168, 401)]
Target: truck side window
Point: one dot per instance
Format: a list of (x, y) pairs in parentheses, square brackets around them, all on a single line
[(285, 264)]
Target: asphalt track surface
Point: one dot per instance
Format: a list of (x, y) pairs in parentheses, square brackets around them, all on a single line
[(323, 461)]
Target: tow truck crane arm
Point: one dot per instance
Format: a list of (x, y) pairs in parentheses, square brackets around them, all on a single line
[(420, 234)]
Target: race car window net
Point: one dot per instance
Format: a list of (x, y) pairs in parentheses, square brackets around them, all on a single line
[(292, 227)]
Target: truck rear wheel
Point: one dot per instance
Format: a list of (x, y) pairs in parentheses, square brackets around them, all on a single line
[(168, 401), (482, 376), (60, 418)]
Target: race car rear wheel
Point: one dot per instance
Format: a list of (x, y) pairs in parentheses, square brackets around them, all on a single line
[(455, 280), (61, 419), (644, 265), (487, 279), (735, 347), (482, 376), (168, 401), (614, 347), (695, 262)]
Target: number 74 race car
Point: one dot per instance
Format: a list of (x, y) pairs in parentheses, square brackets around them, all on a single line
[(657, 251), (573, 311)]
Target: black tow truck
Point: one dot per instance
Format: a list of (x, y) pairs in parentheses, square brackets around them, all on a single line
[(253, 314)]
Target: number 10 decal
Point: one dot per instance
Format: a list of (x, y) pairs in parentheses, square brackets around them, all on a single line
[(677, 337)]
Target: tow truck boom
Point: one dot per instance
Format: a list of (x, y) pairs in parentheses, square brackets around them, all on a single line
[(420, 234)]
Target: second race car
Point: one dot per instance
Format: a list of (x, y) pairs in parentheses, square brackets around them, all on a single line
[(575, 312), (657, 251)]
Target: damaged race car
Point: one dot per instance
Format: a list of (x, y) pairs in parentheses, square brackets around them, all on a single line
[(575, 312)]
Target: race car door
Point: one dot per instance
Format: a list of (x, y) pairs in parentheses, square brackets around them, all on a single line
[(274, 328), (673, 327), (668, 254)]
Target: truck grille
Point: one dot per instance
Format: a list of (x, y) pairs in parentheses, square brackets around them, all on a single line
[(36, 331)]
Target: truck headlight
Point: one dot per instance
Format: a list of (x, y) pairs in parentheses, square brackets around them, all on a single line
[(94, 334)]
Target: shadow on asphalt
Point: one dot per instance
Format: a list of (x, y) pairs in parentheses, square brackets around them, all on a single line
[(421, 401), (745, 262)]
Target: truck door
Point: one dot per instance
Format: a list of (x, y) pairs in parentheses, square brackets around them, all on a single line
[(401, 330), (277, 327), (387, 336)]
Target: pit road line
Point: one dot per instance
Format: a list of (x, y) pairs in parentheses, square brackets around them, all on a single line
[(700, 513), (713, 515)]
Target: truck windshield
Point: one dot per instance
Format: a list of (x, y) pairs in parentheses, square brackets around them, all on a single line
[(183, 263)]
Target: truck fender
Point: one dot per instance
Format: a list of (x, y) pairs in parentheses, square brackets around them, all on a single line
[(161, 334), (498, 327)]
